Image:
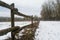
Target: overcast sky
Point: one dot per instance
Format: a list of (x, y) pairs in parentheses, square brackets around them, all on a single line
[(28, 7)]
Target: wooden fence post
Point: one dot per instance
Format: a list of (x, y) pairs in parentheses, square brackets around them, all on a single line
[(12, 21), (32, 20)]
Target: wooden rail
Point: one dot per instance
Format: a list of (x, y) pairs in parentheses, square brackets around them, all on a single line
[(5, 31), (13, 11), (16, 29)]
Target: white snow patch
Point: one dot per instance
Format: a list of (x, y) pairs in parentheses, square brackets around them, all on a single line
[(48, 30)]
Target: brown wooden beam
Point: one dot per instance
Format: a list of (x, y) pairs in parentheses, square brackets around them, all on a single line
[(20, 14), (17, 28), (10, 7), (12, 21), (5, 31), (3, 4)]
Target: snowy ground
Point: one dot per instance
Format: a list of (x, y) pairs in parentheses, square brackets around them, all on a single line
[(4, 25), (48, 30)]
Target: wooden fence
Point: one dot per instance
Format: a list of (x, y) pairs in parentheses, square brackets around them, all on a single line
[(14, 11)]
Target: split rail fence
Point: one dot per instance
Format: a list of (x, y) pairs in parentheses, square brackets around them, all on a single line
[(14, 11)]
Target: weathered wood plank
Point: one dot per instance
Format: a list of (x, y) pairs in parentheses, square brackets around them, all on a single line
[(14, 29), (3, 4), (5, 31), (12, 21)]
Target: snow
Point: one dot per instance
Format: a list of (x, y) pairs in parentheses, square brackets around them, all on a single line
[(48, 30)]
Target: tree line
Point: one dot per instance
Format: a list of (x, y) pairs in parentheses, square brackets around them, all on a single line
[(51, 10), (6, 19)]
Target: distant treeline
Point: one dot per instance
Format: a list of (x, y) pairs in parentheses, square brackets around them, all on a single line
[(5, 19), (51, 10), (9, 19)]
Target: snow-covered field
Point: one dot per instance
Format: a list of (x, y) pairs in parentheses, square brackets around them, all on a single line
[(4, 25), (48, 30)]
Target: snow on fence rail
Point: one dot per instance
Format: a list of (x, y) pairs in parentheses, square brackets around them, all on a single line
[(13, 11)]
